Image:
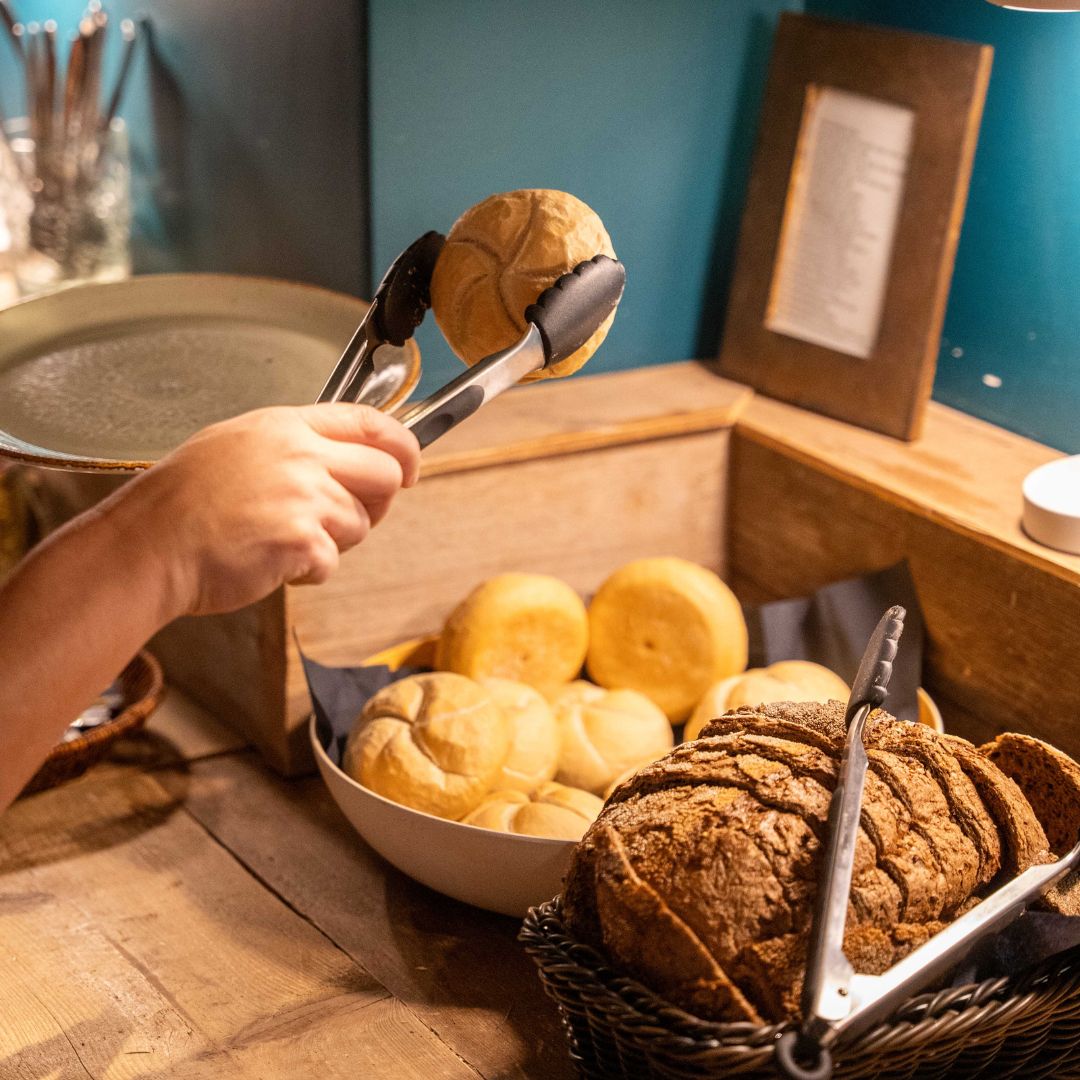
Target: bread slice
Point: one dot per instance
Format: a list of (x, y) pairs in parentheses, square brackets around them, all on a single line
[(670, 956), (1050, 781), (1023, 841)]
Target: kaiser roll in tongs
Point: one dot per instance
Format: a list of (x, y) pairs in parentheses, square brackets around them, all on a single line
[(837, 1003), (563, 318)]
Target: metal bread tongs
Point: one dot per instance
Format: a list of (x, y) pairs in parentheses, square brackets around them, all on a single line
[(397, 309), (837, 1002), (563, 318)]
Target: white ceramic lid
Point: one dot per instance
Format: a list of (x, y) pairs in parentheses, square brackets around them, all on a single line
[(1052, 504)]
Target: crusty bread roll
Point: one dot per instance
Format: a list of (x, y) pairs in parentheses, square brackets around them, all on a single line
[(699, 877), (534, 735), (786, 680), (554, 811), (499, 257), (531, 628), (668, 628), (606, 732), (435, 742)]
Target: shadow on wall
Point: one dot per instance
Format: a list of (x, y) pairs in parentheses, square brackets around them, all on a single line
[(169, 225)]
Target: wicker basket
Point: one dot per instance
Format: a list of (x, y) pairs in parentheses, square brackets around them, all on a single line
[(142, 684), (1028, 1026)]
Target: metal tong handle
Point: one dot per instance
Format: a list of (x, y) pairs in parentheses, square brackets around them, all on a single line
[(563, 318), (826, 997), (876, 997), (397, 309)]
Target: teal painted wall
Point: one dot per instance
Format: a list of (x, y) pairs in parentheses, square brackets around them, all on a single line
[(1014, 308), (646, 111)]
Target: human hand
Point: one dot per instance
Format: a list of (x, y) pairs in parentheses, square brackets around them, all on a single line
[(267, 498)]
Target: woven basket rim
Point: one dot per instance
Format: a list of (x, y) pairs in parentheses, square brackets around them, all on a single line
[(681, 1034)]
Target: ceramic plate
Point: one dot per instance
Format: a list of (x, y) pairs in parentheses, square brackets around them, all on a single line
[(112, 377)]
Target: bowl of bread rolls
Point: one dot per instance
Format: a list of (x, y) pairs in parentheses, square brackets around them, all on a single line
[(479, 769)]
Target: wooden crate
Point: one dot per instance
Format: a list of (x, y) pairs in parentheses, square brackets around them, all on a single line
[(571, 478)]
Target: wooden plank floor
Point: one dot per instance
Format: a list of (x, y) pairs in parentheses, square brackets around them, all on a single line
[(182, 912)]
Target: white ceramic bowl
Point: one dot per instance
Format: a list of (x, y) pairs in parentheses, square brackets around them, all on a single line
[(498, 871)]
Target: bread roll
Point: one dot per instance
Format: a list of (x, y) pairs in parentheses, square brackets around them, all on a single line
[(554, 811), (499, 257), (531, 628), (435, 742), (534, 738), (699, 877), (668, 628), (605, 732), (786, 680)]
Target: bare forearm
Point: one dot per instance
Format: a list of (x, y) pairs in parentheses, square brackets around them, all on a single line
[(71, 616)]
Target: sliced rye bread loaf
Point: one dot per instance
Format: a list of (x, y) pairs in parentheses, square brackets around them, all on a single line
[(726, 833)]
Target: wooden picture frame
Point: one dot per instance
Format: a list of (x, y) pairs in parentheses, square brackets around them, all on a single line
[(934, 89)]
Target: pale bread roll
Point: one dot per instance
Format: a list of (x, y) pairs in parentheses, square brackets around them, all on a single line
[(534, 738), (786, 680), (667, 628), (531, 628), (606, 732), (554, 811), (499, 257), (435, 742)]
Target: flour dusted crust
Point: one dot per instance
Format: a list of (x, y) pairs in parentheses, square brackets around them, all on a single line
[(499, 256), (722, 839), (435, 742)]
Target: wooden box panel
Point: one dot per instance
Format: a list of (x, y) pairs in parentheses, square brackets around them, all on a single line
[(571, 479), (814, 501)]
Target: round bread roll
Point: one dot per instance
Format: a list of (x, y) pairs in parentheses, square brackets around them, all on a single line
[(534, 736), (786, 680), (554, 810), (499, 257), (606, 732), (435, 742), (668, 628), (531, 628)]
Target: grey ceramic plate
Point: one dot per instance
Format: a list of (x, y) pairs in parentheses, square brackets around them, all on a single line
[(112, 377)]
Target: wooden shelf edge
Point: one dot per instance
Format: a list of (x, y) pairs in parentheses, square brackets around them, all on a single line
[(593, 412), (963, 473)]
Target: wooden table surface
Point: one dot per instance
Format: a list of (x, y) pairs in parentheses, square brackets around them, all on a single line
[(180, 911)]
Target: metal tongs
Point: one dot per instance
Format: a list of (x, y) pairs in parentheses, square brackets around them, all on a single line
[(396, 310), (837, 1002), (563, 318)]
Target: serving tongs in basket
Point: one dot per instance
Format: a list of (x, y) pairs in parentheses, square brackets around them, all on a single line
[(836, 1001)]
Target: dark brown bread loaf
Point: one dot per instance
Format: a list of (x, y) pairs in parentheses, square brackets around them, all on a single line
[(699, 876)]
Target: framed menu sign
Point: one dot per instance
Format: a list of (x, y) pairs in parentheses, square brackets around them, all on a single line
[(852, 217)]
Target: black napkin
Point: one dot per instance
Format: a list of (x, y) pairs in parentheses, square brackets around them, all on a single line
[(833, 627)]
